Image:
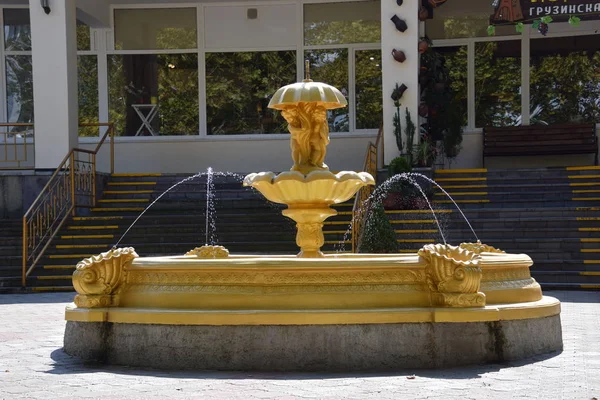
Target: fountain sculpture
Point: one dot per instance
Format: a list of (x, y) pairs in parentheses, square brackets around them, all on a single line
[(444, 306)]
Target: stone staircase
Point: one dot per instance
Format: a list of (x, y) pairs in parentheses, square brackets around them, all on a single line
[(246, 223), (551, 214)]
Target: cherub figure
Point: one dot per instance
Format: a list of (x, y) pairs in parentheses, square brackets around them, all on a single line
[(319, 137), (307, 123)]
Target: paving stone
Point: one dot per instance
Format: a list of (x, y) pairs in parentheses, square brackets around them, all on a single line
[(33, 366)]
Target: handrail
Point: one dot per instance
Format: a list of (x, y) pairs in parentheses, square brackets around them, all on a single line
[(371, 166), (72, 185), (16, 157)]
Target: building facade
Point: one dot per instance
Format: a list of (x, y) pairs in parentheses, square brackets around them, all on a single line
[(187, 83)]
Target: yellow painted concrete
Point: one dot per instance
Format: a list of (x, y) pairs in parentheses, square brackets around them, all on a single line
[(583, 168), (135, 175), (91, 227), (87, 237), (117, 209), (128, 191), (131, 183), (461, 171)]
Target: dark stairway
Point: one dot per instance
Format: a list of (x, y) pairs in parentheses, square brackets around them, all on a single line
[(245, 223), (551, 214)]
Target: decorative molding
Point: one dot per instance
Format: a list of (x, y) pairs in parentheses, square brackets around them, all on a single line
[(257, 290), (207, 251), (99, 279), (479, 248), (328, 278), (453, 276)]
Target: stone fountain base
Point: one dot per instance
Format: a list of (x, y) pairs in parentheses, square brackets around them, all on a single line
[(330, 347), (446, 306)]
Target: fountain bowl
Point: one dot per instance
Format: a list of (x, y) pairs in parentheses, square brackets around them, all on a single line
[(320, 186)]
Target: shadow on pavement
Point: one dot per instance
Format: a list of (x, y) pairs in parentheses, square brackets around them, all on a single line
[(65, 364), (575, 296), (37, 298)]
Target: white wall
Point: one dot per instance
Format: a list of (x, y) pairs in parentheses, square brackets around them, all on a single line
[(193, 155)]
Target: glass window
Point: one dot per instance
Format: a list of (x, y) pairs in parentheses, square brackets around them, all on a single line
[(498, 83), (344, 22), (19, 89), (463, 19), (239, 87), (152, 94), (331, 66), (155, 28), (83, 36), (455, 60), (565, 80), (369, 107), (87, 85), (17, 29)]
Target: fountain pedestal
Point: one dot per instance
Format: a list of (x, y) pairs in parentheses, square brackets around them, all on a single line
[(309, 222)]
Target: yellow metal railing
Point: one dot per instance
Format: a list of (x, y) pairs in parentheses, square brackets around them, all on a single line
[(72, 185), (358, 210), (16, 144)]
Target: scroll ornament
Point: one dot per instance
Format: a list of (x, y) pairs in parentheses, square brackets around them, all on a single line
[(479, 248), (453, 276), (98, 279), (207, 251)]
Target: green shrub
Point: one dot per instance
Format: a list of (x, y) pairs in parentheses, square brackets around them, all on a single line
[(399, 165), (378, 235)]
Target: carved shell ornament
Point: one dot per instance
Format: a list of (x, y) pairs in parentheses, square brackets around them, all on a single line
[(98, 278), (479, 248), (453, 275), (209, 252)]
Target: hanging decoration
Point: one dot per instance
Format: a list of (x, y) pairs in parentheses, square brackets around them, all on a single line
[(400, 23)]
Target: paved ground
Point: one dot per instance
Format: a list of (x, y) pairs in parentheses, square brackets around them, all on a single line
[(33, 365)]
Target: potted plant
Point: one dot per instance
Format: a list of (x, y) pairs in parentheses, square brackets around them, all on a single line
[(397, 192)]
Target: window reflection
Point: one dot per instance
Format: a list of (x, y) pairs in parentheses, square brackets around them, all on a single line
[(87, 87), (331, 66), (239, 87), (369, 108), (464, 19), (155, 28), (498, 83), (342, 23), (19, 89), (17, 29), (166, 84), (565, 80), (455, 59)]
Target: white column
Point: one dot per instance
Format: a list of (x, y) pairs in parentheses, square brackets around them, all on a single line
[(402, 73), (54, 53)]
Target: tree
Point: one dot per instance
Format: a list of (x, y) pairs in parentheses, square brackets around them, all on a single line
[(378, 235)]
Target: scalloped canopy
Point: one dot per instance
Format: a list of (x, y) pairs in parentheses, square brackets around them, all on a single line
[(308, 91)]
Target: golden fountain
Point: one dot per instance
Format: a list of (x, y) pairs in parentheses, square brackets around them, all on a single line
[(309, 189), (443, 306)]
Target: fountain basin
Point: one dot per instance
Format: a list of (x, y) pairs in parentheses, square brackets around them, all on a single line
[(343, 312), (317, 187)]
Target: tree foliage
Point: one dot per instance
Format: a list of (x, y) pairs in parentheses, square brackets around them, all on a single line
[(378, 235)]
